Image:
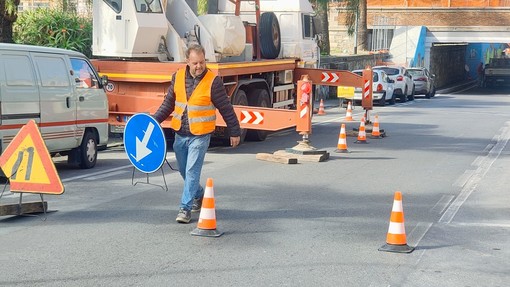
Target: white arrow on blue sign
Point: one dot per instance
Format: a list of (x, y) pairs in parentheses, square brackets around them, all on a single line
[(145, 143)]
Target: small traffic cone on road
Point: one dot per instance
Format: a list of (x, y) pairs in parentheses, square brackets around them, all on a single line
[(362, 135), (207, 221), (342, 141), (321, 109), (396, 238), (348, 114), (376, 133)]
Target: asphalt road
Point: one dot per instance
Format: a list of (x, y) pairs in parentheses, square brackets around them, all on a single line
[(309, 224)]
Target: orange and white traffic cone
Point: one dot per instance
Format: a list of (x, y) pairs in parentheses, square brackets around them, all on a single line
[(348, 114), (321, 108), (342, 141), (362, 135), (207, 221), (376, 133), (396, 238)]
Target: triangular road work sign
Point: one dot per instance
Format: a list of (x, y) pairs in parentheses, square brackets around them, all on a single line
[(28, 165)]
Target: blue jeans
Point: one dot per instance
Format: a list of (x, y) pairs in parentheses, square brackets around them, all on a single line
[(190, 154)]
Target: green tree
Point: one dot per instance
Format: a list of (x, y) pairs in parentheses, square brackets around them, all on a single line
[(54, 28), (9, 14), (357, 14), (322, 24)]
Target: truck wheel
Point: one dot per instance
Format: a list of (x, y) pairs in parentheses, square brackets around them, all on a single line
[(269, 36), (88, 150), (258, 98), (239, 99)]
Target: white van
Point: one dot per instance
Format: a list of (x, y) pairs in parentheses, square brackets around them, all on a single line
[(62, 92)]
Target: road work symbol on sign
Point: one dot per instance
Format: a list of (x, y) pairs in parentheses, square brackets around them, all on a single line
[(144, 142), (27, 163)]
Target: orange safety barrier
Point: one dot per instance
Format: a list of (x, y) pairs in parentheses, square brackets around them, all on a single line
[(362, 135), (348, 114), (396, 238), (207, 221), (342, 141)]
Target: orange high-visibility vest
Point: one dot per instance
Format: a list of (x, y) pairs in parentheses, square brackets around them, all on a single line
[(201, 111)]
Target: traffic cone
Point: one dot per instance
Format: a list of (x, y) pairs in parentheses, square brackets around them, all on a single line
[(348, 114), (207, 221), (396, 237), (362, 135), (321, 108), (342, 141), (376, 133)]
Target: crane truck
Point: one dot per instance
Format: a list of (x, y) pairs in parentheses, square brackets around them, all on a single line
[(260, 49)]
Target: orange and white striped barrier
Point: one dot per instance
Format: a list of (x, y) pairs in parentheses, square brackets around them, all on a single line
[(207, 221), (348, 114), (376, 133), (362, 135), (321, 108), (396, 238), (342, 141)]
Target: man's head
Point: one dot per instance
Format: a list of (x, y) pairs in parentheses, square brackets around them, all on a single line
[(195, 58)]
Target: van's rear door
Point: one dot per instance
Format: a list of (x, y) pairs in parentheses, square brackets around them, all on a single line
[(58, 102)]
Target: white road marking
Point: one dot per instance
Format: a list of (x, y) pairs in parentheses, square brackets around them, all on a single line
[(483, 168), (418, 232), (108, 174), (443, 202), (111, 171)]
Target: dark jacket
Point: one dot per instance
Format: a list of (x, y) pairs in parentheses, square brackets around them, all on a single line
[(218, 97)]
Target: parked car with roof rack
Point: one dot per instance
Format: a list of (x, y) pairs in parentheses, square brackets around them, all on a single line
[(423, 81), (382, 88), (404, 86)]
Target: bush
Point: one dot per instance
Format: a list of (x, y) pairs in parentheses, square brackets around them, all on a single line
[(54, 28)]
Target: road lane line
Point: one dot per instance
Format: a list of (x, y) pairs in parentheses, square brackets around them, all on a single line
[(461, 181), (98, 173), (109, 174), (418, 232), (442, 204), (483, 168)]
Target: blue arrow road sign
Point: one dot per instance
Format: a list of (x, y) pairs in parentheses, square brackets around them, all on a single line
[(144, 142)]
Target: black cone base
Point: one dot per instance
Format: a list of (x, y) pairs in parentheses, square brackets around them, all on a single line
[(396, 248), (206, 232)]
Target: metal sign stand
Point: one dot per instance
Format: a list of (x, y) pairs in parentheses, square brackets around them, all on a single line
[(165, 188), (24, 209)]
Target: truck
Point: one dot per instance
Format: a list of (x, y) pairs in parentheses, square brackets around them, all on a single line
[(497, 72), (259, 48)]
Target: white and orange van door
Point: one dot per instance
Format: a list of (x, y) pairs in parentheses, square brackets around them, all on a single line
[(58, 102)]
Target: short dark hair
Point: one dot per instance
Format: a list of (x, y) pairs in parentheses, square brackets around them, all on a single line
[(194, 47)]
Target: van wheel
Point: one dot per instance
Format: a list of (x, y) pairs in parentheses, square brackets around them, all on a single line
[(269, 35), (258, 98), (88, 150)]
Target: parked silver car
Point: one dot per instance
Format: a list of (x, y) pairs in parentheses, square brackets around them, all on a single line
[(404, 86), (423, 81), (382, 88)]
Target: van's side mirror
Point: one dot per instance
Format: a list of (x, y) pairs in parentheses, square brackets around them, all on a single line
[(104, 80)]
